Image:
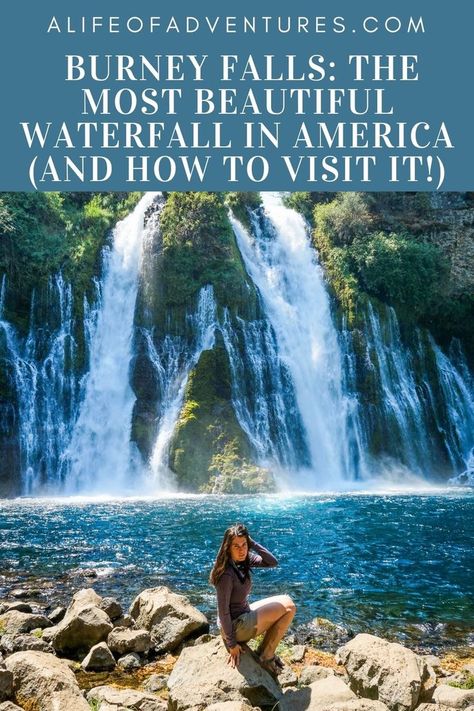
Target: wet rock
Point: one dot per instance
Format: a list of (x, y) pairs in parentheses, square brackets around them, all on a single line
[(20, 607), (202, 677), (318, 695), (100, 658), (44, 682), (170, 618), (15, 622), (57, 615), (83, 625), (129, 662), (6, 684), (111, 698), (24, 643), (386, 671), (314, 672), (453, 697), (22, 593), (122, 640), (111, 607), (156, 682), (323, 634)]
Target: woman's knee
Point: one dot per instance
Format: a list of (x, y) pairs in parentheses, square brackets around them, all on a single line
[(289, 604)]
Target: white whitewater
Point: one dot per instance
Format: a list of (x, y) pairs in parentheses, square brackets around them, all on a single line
[(100, 456), (173, 364), (283, 266)]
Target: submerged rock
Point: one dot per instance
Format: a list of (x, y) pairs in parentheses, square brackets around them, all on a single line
[(42, 682), (202, 677), (323, 634), (170, 618)]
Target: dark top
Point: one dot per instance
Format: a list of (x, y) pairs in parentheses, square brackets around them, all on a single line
[(233, 592)]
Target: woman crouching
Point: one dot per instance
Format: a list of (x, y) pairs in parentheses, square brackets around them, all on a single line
[(239, 621)]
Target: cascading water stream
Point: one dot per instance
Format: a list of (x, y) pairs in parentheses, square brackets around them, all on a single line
[(283, 266), (100, 457), (173, 363)]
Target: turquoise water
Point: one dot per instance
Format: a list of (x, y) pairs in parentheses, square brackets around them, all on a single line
[(401, 565)]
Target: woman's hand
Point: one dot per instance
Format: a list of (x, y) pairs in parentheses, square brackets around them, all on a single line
[(234, 656)]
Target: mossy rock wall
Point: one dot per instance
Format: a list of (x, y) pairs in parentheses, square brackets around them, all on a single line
[(207, 423)]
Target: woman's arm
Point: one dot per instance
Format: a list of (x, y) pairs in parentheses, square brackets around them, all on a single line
[(260, 557), (224, 590)]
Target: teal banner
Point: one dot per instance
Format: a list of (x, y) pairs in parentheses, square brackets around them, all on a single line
[(237, 96)]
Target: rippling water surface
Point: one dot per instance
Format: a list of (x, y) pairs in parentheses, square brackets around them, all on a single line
[(395, 564)]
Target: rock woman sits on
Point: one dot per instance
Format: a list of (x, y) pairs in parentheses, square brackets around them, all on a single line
[(239, 621)]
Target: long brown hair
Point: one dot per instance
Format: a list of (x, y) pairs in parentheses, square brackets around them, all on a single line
[(223, 556)]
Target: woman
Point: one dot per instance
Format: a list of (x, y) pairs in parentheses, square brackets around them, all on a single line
[(238, 620)]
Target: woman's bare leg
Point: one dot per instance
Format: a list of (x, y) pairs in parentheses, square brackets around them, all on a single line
[(274, 616)]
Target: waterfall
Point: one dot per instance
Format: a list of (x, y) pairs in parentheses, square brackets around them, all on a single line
[(172, 362), (283, 266), (45, 385), (100, 456)]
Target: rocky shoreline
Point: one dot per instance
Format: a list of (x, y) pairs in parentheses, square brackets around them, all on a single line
[(160, 655)]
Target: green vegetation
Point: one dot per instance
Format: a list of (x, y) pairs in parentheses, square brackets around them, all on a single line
[(209, 450), (305, 202), (241, 203), (43, 233), (468, 683), (199, 248)]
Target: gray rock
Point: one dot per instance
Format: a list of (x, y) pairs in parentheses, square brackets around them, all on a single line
[(287, 678), (100, 658), (15, 622), (323, 634), (433, 662), (21, 593), (129, 662), (6, 684), (170, 618), (43, 682), (24, 643), (9, 706), (83, 625), (230, 706), (20, 607), (111, 607), (202, 677), (156, 682), (314, 672), (110, 697), (356, 705), (385, 671), (317, 695), (469, 668), (57, 615), (122, 640), (297, 653), (453, 697), (126, 621)]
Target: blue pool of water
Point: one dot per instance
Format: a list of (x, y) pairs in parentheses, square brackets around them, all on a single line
[(401, 565)]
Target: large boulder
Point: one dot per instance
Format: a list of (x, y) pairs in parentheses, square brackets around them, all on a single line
[(109, 697), (202, 677), (84, 624), (169, 617), (317, 695), (16, 622), (314, 672), (11, 643), (386, 671), (122, 640), (44, 683), (453, 697)]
